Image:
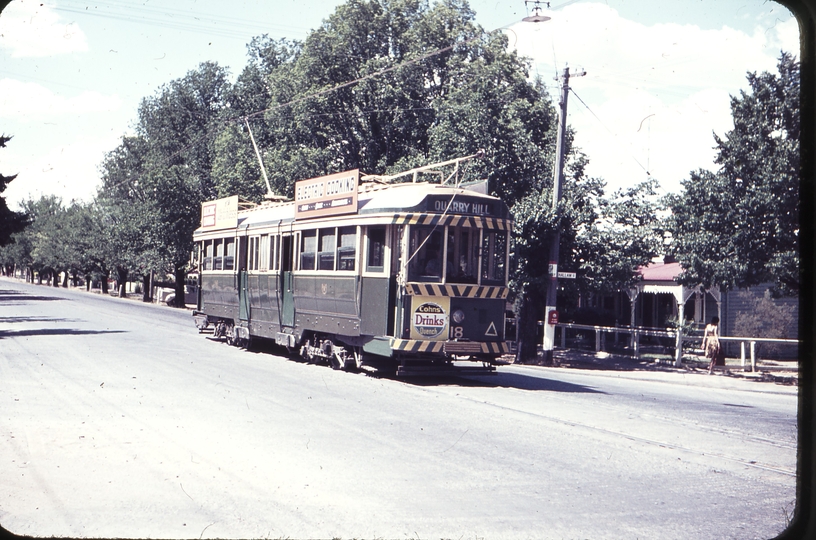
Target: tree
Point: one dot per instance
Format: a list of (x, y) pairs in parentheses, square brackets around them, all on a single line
[(125, 211), (765, 318), (155, 181), (17, 255), (386, 85), (382, 85), (739, 226), (47, 251), (10, 222), (625, 234)]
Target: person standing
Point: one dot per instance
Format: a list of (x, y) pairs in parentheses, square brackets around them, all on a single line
[(711, 344)]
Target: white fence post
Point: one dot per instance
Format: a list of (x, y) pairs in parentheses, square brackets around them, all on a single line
[(678, 343), (635, 333), (753, 356)]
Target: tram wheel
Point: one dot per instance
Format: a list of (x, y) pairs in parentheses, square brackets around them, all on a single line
[(354, 361)]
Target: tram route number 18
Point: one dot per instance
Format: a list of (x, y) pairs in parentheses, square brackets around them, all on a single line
[(457, 332)]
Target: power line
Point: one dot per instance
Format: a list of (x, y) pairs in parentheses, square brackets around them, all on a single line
[(614, 136), (322, 92), (215, 25)]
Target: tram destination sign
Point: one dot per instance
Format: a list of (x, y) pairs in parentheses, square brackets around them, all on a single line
[(327, 195), (461, 205)]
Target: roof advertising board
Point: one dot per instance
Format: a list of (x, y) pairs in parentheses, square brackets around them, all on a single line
[(220, 214), (327, 195)]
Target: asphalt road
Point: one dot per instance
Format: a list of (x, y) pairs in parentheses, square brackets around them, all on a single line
[(117, 419)]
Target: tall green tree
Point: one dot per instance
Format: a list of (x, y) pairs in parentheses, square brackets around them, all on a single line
[(385, 85), (155, 181), (48, 252), (382, 85), (739, 226), (125, 211)]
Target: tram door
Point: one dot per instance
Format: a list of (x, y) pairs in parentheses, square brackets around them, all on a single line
[(287, 293), (243, 281)]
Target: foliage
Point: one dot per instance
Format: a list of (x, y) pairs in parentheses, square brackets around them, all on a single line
[(382, 86), (739, 226), (154, 182), (625, 235), (48, 253), (765, 318)]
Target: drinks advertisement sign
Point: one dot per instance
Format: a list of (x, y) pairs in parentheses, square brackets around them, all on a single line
[(429, 317)]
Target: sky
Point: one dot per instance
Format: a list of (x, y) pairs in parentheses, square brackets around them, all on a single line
[(658, 82)]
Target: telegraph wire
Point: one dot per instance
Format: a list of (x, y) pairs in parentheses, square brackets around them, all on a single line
[(331, 89), (322, 92), (614, 136), (218, 25)]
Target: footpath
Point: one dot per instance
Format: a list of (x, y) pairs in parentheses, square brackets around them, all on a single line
[(771, 376)]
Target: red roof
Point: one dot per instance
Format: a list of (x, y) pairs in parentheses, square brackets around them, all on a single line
[(660, 271)]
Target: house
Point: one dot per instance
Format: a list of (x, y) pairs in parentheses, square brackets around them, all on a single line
[(657, 300)]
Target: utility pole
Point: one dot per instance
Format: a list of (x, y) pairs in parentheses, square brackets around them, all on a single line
[(550, 311)]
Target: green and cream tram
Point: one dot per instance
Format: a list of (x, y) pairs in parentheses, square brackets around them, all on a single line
[(410, 277)]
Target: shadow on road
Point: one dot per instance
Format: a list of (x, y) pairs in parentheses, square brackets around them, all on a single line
[(582, 360), (505, 380), (16, 297), (13, 320), (55, 332)]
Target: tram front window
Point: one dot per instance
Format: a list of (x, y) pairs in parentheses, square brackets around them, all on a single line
[(463, 255), (494, 253), (426, 249)]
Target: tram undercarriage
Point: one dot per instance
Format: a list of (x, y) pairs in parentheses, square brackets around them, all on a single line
[(330, 350)]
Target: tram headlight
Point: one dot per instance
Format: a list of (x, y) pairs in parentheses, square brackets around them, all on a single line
[(458, 316)]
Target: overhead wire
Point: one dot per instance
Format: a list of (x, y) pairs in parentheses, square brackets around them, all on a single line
[(346, 84), (614, 136), (224, 26), (323, 92)]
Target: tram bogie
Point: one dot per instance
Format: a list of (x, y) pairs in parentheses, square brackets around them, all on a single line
[(410, 278)]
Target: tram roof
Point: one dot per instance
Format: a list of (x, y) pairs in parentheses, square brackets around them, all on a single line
[(403, 198)]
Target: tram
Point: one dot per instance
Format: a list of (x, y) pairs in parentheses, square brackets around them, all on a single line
[(409, 277)]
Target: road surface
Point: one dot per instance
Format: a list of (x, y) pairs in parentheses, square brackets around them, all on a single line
[(117, 419)]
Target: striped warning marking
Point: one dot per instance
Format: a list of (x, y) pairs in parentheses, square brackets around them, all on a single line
[(452, 347), (462, 291), (454, 220), (418, 346)]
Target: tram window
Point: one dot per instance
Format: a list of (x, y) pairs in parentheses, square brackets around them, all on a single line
[(263, 253), (308, 249), (347, 248), (425, 250), (218, 260), (463, 255), (375, 261), (195, 256), (398, 241), (208, 255), (229, 256), (273, 252), (325, 256), (253, 253), (494, 257)]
